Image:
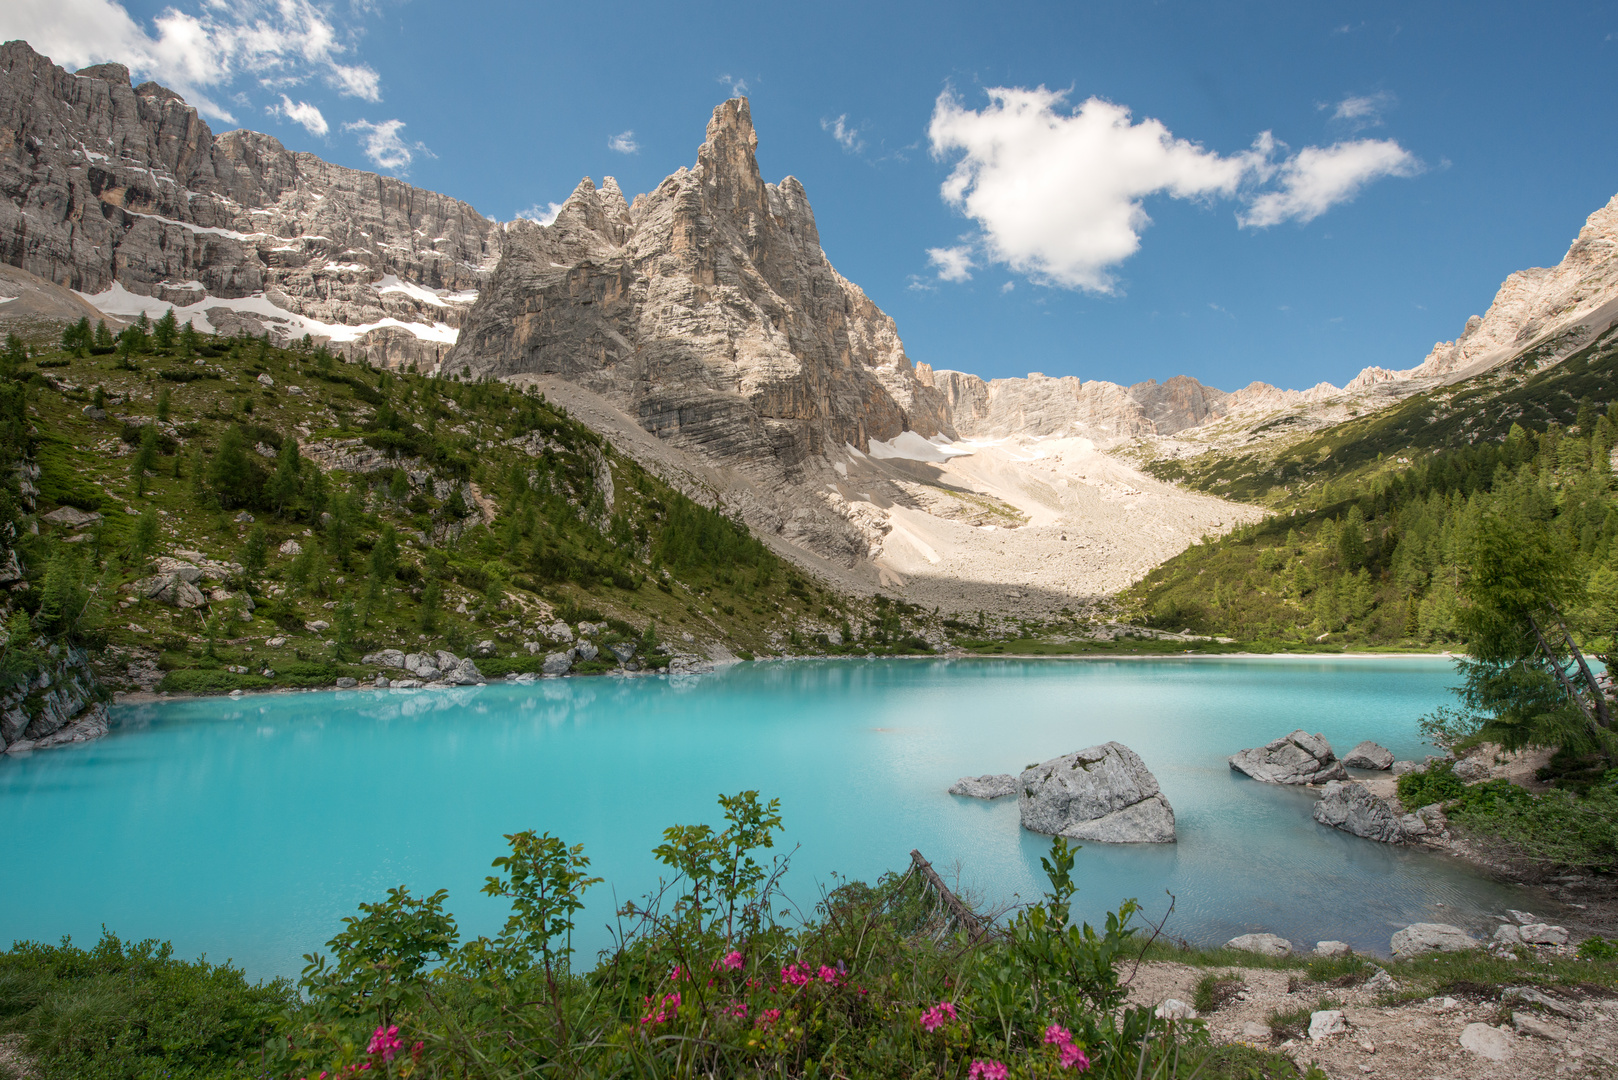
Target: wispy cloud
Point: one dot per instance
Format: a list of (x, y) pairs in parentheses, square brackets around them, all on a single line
[(1361, 111), (736, 86), (301, 112), (953, 263), (384, 146), (204, 53), (541, 215), (1058, 193), (848, 137), (623, 143)]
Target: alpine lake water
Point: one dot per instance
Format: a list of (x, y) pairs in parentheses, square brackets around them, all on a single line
[(247, 828)]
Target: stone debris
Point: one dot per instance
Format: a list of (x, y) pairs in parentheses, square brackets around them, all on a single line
[(1368, 755), (1351, 807), (1263, 944), (1104, 793), (290, 547), (1327, 1022), (988, 786), (1175, 1009), (1298, 758)]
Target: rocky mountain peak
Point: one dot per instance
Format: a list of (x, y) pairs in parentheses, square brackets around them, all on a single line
[(727, 163), (113, 73)]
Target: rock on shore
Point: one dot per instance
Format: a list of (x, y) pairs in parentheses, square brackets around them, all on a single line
[(1104, 793), (1425, 937), (1368, 755), (988, 786), (1298, 758), (1352, 808)]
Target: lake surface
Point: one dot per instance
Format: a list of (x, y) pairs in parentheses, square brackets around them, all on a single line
[(248, 828)]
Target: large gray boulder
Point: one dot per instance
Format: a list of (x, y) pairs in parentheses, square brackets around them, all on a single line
[(391, 658), (623, 650), (1425, 937), (586, 651), (1368, 755), (558, 663), (465, 673), (1353, 809), (1263, 944), (171, 590), (1298, 758), (988, 786), (1104, 793)]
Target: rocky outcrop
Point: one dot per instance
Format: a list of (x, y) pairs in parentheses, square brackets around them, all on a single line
[(124, 194), (1368, 755), (1354, 809), (708, 312), (1104, 793), (1298, 758), (59, 704), (988, 786)]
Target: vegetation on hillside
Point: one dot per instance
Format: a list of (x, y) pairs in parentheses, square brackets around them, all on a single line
[(1380, 560), (352, 509)]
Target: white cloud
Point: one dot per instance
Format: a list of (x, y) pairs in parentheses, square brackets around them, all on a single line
[(847, 137), (1319, 178), (737, 87), (1361, 111), (301, 112), (1058, 193), (623, 143), (384, 146), (954, 263), (1008, 286), (275, 42), (541, 215)]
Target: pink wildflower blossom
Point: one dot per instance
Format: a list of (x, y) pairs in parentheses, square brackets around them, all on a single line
[(987, 1070), (769, 1016), (1057, 1035), (732, 961), (736, 1009), (937, 1016), (665, 1010), (796, 974), (385, 1041), (1074, 1058), (830, 975)]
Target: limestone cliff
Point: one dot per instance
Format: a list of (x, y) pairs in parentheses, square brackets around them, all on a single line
[(706, 310), (123, 194)]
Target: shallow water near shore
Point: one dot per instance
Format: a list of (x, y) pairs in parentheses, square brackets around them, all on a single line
[(248, 828)]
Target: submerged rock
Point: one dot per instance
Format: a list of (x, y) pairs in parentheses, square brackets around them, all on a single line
[(1352, 808), (1431, 937), (1368, 755), (1104, 793), (987, 786), (1263, 944), (1298, 758)]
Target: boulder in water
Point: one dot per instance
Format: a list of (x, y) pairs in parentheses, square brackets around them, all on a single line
[(1352, 808), (988, 786), (1104, 793), (1298, 758), (1368, 755)]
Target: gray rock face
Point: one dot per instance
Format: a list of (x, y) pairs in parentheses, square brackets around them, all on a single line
[(1263, 944), (108, 183), (1368, 755), (708, 312), (1298, 758), (67, 711), (1544, 934), (171, 590), (1104, 793), (1353, 809), (988, 786), (623, 650), (558, 663), (1471, 771), (464, 673), (392, 658), (586, 651), (1432, 937)]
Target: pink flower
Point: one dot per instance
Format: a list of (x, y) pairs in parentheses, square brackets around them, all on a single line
[(769, 1016), (666, 1009), (796, 974), (830, 975), (1073, 1057), (987, 1070), (736, 1009), (385, 1041), (1057, 1035), (677, 974), (732, 961), (937, 1016)]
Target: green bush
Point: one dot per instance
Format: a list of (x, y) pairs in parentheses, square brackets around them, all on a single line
[(198, 681), (1435, 784), (133, 1011)]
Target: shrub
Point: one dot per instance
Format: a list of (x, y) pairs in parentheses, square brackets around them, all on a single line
[(196, 681), (1435, 784)]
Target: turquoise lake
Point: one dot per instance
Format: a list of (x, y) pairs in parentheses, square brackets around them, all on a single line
[(248, 828)]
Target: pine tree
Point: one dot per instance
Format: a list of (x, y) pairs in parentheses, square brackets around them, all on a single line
[(103, 337), (145, 459), (230, 470), (163, 405), (167, 328)]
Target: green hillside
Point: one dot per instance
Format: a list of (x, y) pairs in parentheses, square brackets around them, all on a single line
[(429, 513)]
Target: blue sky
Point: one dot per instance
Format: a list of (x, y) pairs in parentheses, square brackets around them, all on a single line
[(1482, 136)]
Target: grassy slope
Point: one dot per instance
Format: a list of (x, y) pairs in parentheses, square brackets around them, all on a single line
[(552, 549)]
